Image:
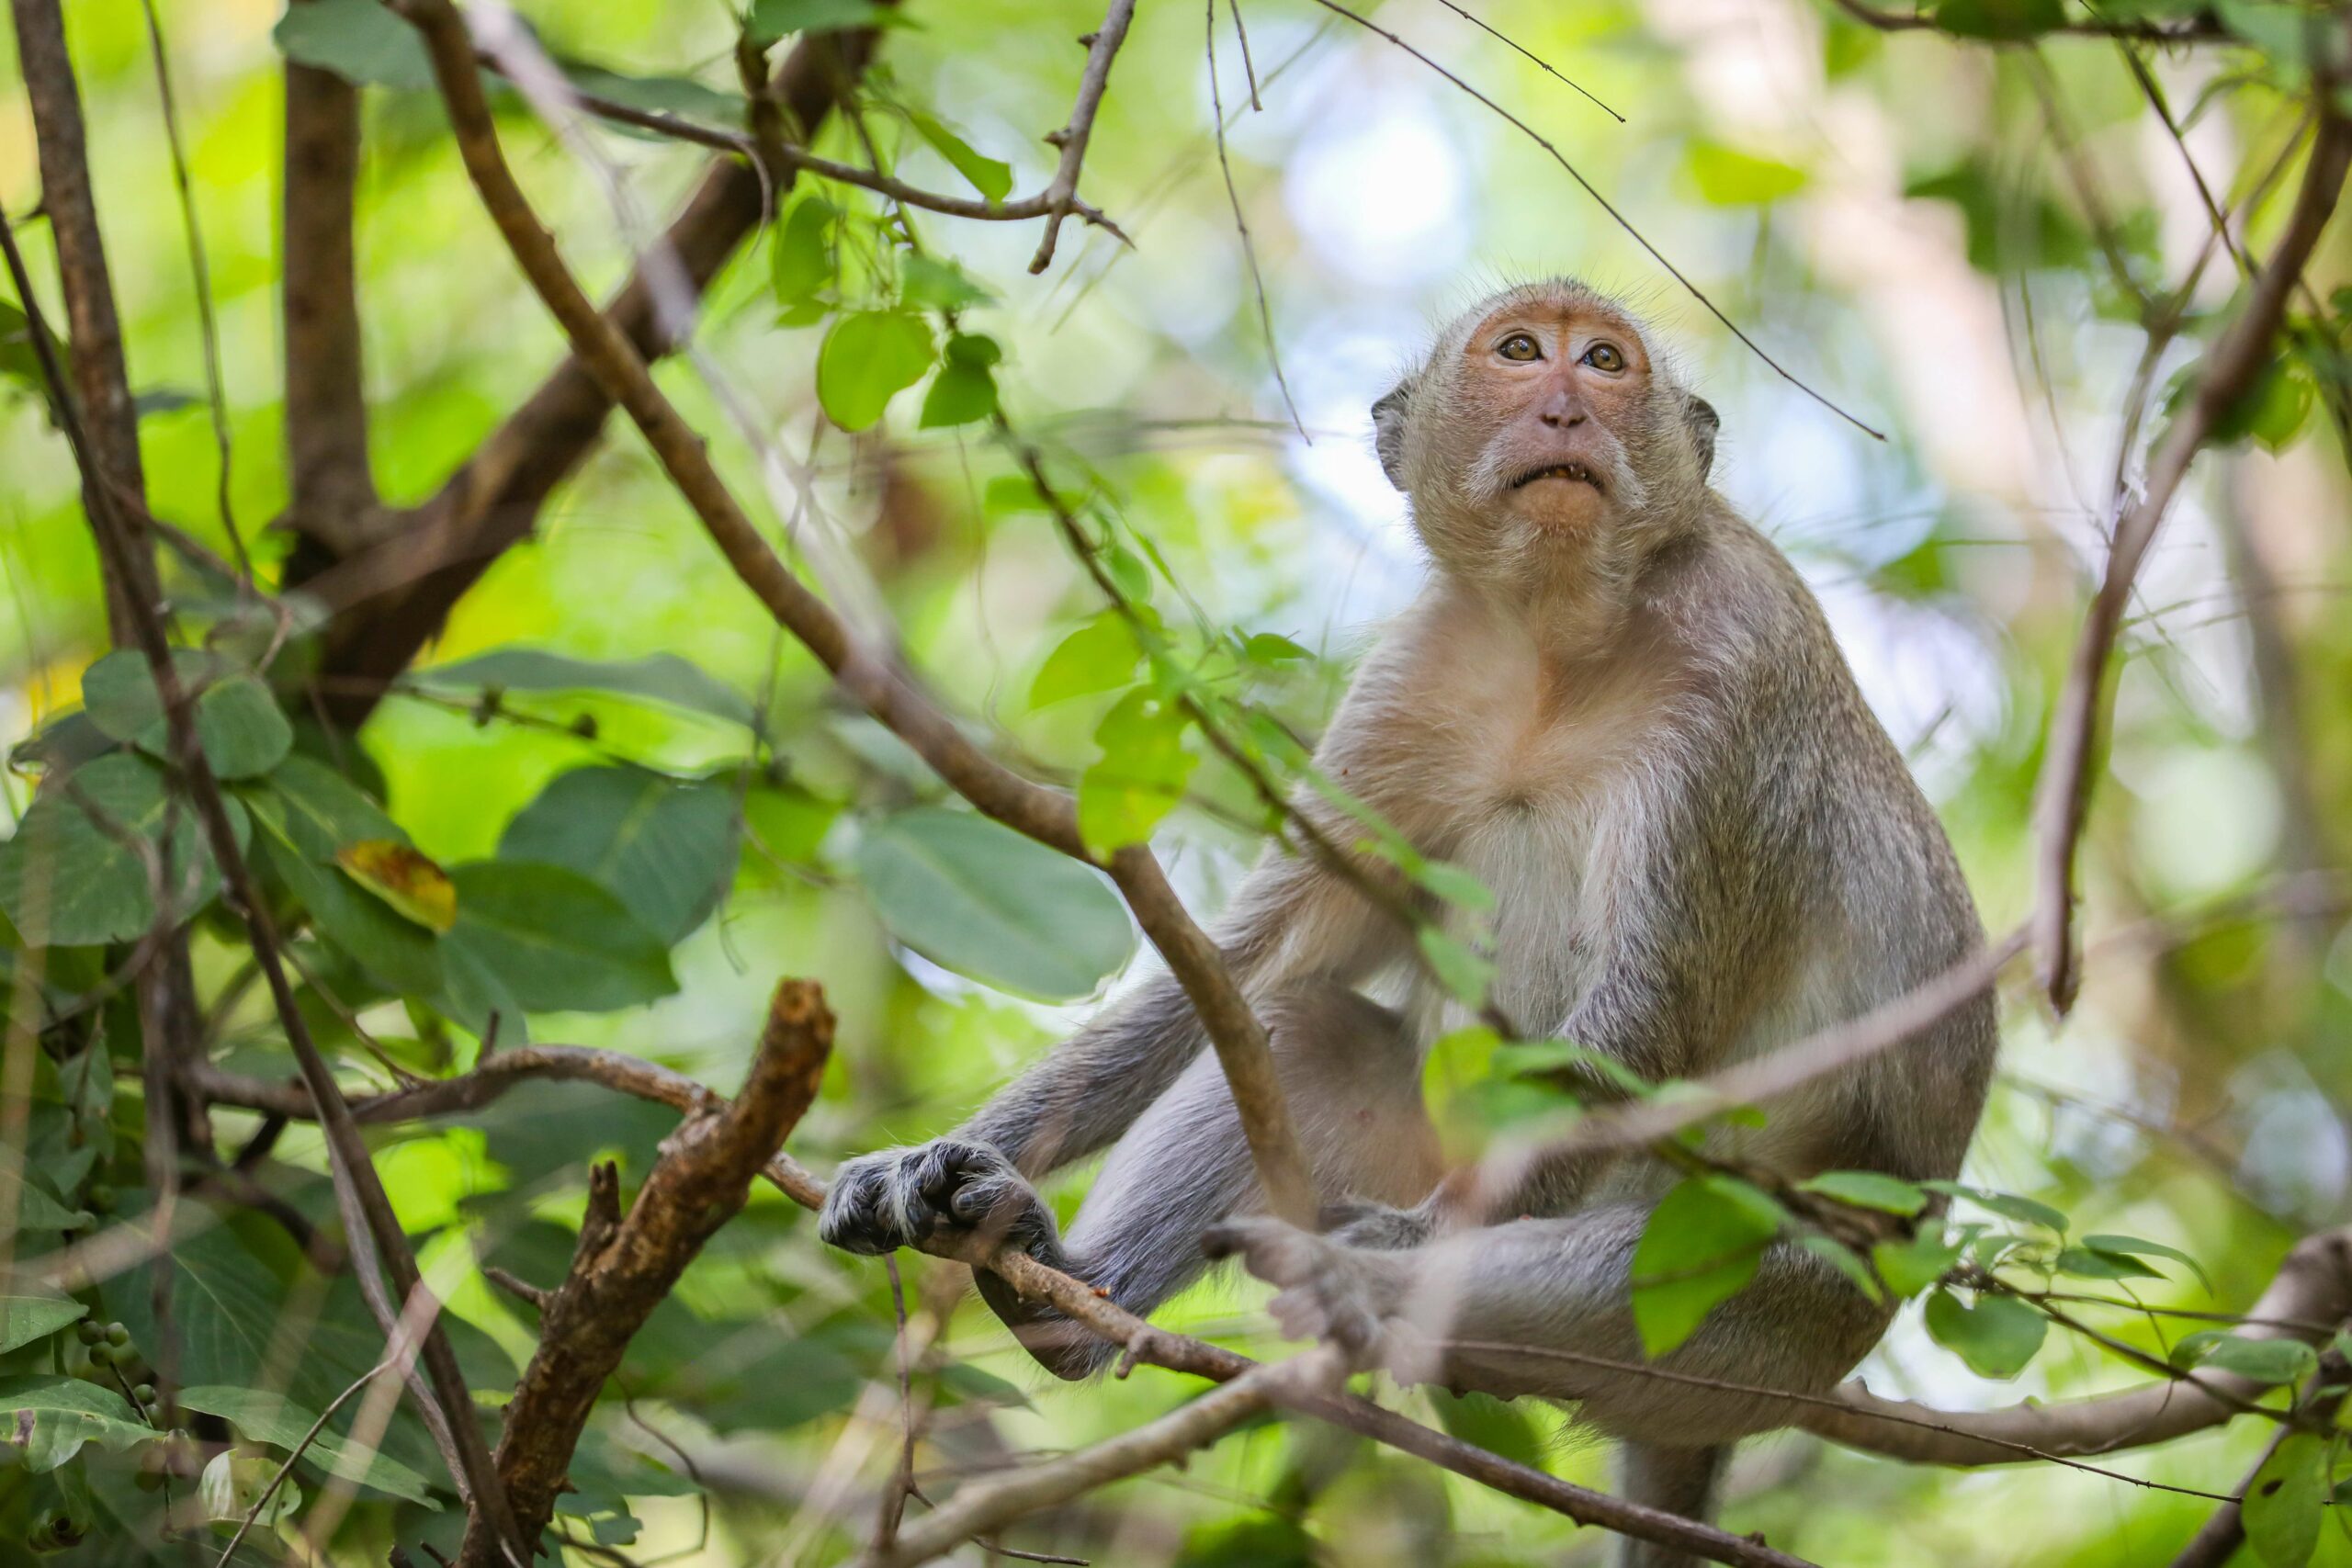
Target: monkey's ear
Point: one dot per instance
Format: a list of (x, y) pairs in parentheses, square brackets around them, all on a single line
[(1704, 422), (1388, 417)]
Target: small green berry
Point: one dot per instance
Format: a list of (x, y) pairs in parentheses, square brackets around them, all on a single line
[(117, 1334), (100, 1197), (102, 1355), (89, 1333), (145, 1394)]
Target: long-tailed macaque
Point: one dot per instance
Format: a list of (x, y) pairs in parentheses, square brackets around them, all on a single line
[(1618, 705)]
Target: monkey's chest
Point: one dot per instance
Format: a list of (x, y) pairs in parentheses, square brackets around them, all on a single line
[(1535, 854)]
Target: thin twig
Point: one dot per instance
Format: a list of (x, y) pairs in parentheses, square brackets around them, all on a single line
[(1101, 47), (1615, 216), (261, 1501), (1541, 64), (1241, 223)]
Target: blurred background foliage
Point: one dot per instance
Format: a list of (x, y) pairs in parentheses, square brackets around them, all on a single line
[(1953, 239)]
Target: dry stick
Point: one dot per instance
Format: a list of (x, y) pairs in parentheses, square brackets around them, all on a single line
[(1606, 206), (1240, 223), (1101, 47), (201, 273), (625, 1265), (1541, 64), (358, 1192), (2230, 369), (983, 1507), (1073, 1297), (1249, 66), (1046, 814)]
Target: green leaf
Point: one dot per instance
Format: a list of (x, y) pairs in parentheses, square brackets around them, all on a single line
[(940, 283), (237, 723), (551, 939), (964, 389), (2269, 1362), (1868, 1189), (1495, 1425), (359, 41), (657, 677), (1463, 970), (235, 1486), (1996, 1336), (1530, 1057), (315, 810), (2009, 1205), (66, 881), (1912, 1264), (2292, 35), (801, 262), (979, 899), (266, 1417), (2136, 1247), (772, 19), (25, 1318), (868, 357), (1701, 1244), (1452, 883), (2002, 20), (1846, 1260), (1100, 656), (398, 953), (1140, 775), (664, 847), (990, 177), (660, 95), (1271, 650), (1728, 178), (2285, 1499), (35, 1208), (49, 1419), (2086, 1263)]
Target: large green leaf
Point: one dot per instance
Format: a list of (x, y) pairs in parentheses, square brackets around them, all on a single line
[(68, 879), (981, 899), (49, 1419), (359, 41), (664, 847), (237, 722), (313, 808), (1996, 1336), (2276, 1361), (868, 357), (308, 813), (1494, 1425), (992, 178), (1868, 1189), (551, 939), (1702, 1246), (2286, 1501), (1100, 656), (1140, 775), (658, 677), (772, 19), (266, 1417), (25, 1318)]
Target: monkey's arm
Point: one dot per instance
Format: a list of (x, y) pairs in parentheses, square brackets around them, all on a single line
[(1290, 920)]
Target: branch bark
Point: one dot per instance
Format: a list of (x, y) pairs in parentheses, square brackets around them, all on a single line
[(1046, 814), (101, 381), (2314, 1286), (625, 1265), (393, 589), (2229, 371), (333, 504)]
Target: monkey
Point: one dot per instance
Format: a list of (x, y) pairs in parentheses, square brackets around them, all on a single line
[(1619, 704)]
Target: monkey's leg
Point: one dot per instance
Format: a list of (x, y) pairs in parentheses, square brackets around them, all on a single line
[(1678, 1480), (1352, 1078)]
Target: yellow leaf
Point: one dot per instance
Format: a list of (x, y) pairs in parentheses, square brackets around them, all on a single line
[(414, 886)]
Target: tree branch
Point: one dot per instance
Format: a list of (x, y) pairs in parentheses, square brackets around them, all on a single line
[(1046, 814), (2229, 371), (333, 505), (625, 1265), (394, 589), (1062, 195), (2314, 1286), (101, 381)]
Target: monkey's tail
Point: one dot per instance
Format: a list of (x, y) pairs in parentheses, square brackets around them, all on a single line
[(1676, 1479)]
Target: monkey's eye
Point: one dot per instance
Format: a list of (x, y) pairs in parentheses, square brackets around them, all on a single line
[(1518, 347), (1605, 356)]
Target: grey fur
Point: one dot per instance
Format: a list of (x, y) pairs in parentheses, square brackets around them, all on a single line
[(1704, 847)]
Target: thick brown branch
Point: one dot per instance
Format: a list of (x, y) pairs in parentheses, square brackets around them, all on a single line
[(626, 1264), (1046, 814), (101, 381), (2229, 371), (392, 596), (333, 504)]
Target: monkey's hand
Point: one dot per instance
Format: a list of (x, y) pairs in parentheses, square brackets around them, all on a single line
[(1343, 1295), (901, 1197), (1377, 1227)]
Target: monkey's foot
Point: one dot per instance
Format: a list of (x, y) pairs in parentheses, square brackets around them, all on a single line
[(1342, 1295), (1377, 1227)]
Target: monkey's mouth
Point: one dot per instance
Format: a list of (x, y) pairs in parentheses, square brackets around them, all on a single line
[(1575, 473)]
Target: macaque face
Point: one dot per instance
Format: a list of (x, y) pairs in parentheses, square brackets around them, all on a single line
[(1549, 391)]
